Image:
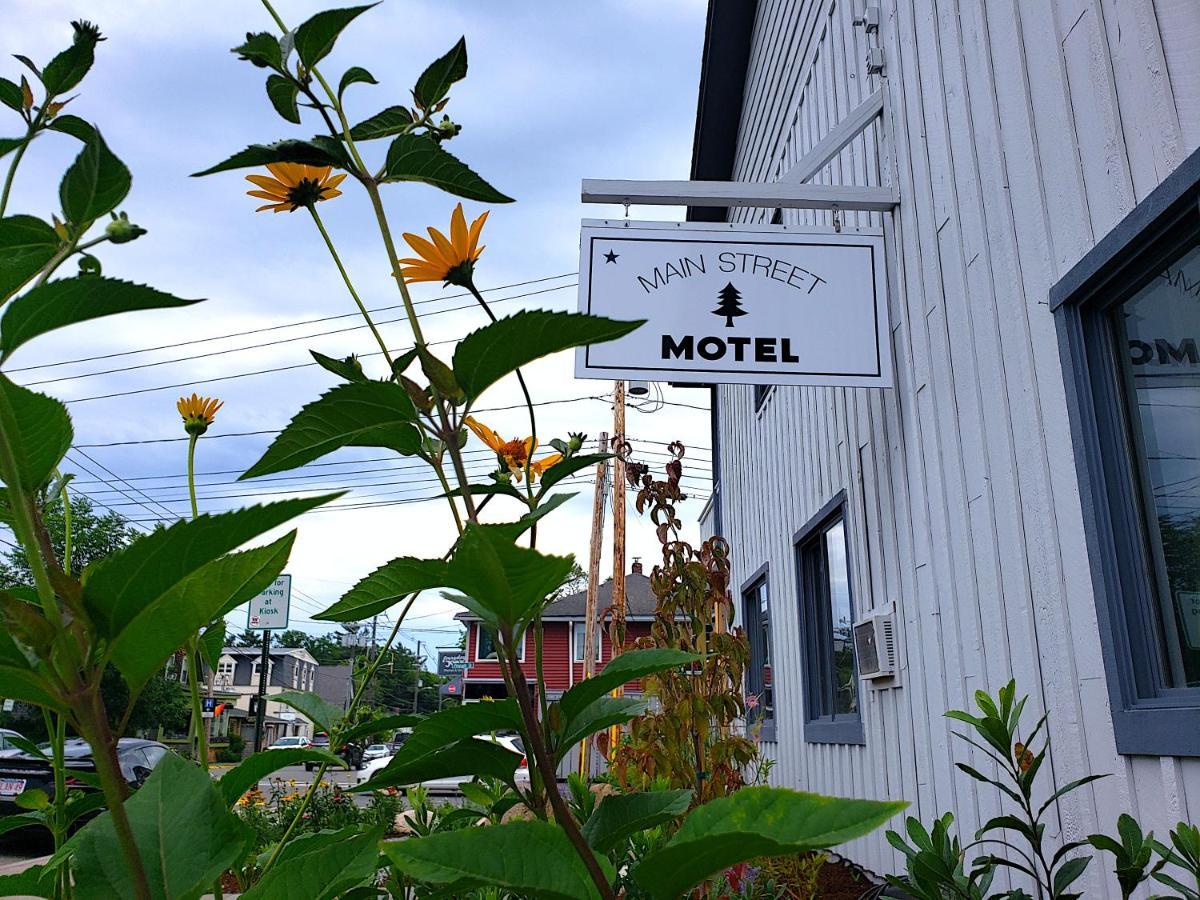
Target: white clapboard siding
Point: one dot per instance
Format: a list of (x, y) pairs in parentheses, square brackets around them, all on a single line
[(1022, 131)]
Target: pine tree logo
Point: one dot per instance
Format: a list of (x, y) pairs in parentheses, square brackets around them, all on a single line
[(730, 305)]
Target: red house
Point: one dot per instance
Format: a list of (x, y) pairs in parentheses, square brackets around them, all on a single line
[(562, 641)]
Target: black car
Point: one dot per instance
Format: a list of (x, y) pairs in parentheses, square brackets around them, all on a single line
[(21, 771)]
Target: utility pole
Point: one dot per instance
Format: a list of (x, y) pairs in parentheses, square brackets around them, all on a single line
[(618, 588), (371, 654), (593, 587), (417, 679), (260, 713)]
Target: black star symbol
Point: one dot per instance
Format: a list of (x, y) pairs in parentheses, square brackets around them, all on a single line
[(611, 257)]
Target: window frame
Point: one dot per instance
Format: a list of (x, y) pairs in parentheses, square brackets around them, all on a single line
[(819, 727), (1148, 717), (751, 623), (479, 632), (578, 639)]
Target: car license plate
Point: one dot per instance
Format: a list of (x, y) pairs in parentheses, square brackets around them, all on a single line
[(11, 787)]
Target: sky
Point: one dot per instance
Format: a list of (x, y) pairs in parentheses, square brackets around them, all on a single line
[(556, 92)]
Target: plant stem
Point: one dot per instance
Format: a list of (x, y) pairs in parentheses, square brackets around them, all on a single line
[(350, 285), (12, 168), (191, 473), (199, 738), (390, 246)]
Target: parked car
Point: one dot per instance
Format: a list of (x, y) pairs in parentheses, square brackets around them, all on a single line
[(5, 743), (291, 742), (375, 751), (351, 754), (21, 771), (320, 741), (510, 742)]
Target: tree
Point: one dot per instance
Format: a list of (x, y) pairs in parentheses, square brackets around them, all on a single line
[(396, 678), (730, 305), (293, 637), (93, 537), (250, 639), (575, 582)]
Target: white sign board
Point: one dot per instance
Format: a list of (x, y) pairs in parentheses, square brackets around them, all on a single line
[(734, 304), (269, 609)]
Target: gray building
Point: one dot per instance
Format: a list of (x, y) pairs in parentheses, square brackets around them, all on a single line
[(236, 679)]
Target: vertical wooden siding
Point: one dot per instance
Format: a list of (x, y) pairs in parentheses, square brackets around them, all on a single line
[(1023, 130)]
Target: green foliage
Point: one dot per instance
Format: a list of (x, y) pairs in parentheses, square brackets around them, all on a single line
[(499, 856), (70, 301), (258, 766), (629, 666), (417, 157), (755, 821), (68, 68), (94, 536), (434, 83), (94, 184), (182, 829), (160, 703), (489, 353), (391, 121), (935, 864), (385, 587), (466, 758), (35, 431), (354, 75), (319, 710), (619, 816), (212, 642), (349, 368), (1184, 853), (371, 414), (1133, 854), (315, 152), (384, 725), (26, 245), (321, 865), (314, 39), (282, 92)]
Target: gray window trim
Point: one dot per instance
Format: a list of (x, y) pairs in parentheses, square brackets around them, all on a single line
[(767, 734), (1146, 720), (824, 729)]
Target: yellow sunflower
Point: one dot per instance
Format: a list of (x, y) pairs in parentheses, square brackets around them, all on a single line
[(514, 453), (198, 412), (452, 259), (295, 185)]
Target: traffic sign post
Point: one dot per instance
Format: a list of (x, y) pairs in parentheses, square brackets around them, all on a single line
[(268, 611)]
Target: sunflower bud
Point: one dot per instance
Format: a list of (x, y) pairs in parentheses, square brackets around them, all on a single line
[(445, 129), (26, 95), (502, 476), (575, 440), (121, 231), (86, 32)]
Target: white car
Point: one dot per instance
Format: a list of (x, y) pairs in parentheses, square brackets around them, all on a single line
[(290, 743), (376, 751), (450, 785)]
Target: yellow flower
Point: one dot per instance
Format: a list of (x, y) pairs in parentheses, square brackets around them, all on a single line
[(514, 453), (295, 185), (198, 413), (452, 259)]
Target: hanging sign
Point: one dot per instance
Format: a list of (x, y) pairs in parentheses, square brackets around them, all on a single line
[(269, 610), (732, 304)]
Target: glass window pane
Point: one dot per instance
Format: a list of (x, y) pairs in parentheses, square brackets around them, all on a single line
[(1160, 327), (845, 692), (486, 648), (580, 635), (767, 700)]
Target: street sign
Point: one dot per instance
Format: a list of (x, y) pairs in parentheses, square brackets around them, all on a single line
[(452, 663), (737, 304), (208, 707), (269, 610)]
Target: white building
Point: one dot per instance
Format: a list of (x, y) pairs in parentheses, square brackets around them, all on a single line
[(1027, 497)]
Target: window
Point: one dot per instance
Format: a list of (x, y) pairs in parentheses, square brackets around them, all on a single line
[(827, 619), (485, 645), (760, 683), (295, 675), (761, 392), (225, 670), (1129, 324), (579, 639), (258, 667)]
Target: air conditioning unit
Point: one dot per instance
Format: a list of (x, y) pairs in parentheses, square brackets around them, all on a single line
[(875, 645)]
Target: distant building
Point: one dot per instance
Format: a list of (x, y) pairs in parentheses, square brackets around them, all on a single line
[(335, 684)]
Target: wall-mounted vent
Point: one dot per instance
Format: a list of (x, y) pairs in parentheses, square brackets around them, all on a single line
[(875, 645)]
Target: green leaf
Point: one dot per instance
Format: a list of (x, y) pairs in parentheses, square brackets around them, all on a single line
[(418, 157), (570, 466), (257, 766), (35, 430), (312, 153), (354, 75), (629, 666), (393, 120), (515, 529), (384, 587), (486, 355), (8, 145), (69, 301), (319, 710), (381, 726), (316, 36), (20, 820), (321, 865), (435, 81), (466, 758), (212, 642), (67, 69), (601, 713), (510, 581), (348, 368), (619, 816), (10, 95), (21, 679), (94, 184), (117, 589), (26, 244), (262, 49), (36, 881), (166, 622), (532, 859), (282, 93), (756, 821), (74, 126), (1068, 872), (455, 723), (373, 414), (183, 830)]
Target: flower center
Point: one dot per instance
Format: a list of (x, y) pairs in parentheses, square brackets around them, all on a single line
[(514, 452), (306, 193)]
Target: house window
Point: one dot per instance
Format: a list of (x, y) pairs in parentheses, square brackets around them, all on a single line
[(579, 635), (827, 619), (760, 682), (258, 668), (1129, 324), (761, 392), (485, 645)]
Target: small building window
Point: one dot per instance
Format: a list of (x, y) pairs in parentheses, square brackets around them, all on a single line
[(827, 618), (485, 645), (1129, 325), (761, 393), (578, 638), (760, 681)]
